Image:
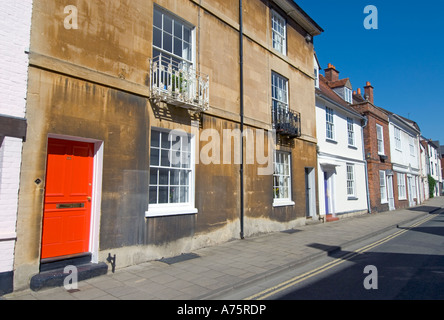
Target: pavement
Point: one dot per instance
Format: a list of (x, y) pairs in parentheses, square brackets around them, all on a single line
[(208, 273)]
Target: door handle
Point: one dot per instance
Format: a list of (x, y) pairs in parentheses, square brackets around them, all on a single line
[(89, 198)]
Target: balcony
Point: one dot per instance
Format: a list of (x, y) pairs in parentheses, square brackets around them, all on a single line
[(286, 122), (178, 84)]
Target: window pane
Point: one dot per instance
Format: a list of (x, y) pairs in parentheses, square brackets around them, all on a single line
[(187, 34), (177, 29), (153, 176), (157, 21), (184, 194), (153, 195), (154, 157), (155, 138), (157, 37), (163, 194), (174, 194), (167, 42), (184, 178), (165, 158), (177, 46), (175, 177), (163, 177), (168, 24)]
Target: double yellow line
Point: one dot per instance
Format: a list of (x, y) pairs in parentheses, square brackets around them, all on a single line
[(289, 283)]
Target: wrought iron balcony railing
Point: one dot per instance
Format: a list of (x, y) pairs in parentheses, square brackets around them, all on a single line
[(178, 84), (286, 122)]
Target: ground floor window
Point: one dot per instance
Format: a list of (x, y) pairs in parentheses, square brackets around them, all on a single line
[(402, 195), (282, 178), (351, 180), (383, 186), (171, 181)]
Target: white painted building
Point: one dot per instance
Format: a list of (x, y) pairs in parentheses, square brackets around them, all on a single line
[(434, 154), (342, 181), (15, 26), (405, 158), (424, 162)]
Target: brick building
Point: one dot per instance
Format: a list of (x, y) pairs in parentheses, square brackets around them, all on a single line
[(382, 192)]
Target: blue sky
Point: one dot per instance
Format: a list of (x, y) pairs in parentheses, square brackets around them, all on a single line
[(403, 58)]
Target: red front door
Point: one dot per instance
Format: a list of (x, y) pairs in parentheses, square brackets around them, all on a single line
[(67, 212)]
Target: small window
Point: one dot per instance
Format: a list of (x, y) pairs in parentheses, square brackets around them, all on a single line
[(348, 94), (412, 146), (383, 186), (282, 178), (398, 144), (351, 132), (330, 125), (279, 32), (351, 180), (380, 139)]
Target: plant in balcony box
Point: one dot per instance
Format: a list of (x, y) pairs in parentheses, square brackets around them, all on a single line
[(179, 83)]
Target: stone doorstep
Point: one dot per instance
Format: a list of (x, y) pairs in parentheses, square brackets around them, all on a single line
[(331, 218), (55, 278)]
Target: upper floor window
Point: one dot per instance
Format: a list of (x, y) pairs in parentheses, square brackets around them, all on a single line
[(398, 144), (172, 38), (279, 91), (380, 139), (330, 124), (351, 132), (412, 146), (348, 95), (279, 32)]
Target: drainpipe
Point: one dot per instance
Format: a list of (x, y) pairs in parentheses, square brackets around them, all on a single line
[(365, 164), (241, 77)]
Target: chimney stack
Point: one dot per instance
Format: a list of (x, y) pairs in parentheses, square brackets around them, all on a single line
[(369, 92), (331, 74)]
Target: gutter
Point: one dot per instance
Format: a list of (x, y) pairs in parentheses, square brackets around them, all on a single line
[(241, 77), (366, 167)]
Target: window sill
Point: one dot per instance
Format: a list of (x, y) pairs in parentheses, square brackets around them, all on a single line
[(169, 211), (331, 140), (352, 147), (283, 203), (352, 198)]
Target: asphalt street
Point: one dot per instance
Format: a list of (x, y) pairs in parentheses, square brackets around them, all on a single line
[(407, 264)]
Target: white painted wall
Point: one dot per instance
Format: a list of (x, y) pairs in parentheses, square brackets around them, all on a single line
[(333, 155), (15, 26)]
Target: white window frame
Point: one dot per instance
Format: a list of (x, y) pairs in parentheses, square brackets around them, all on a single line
[(185, 27), (348, 95), (380, 139), (279, 90), (175, 208), (278, 32), (383, 186), (329, 123), (412, 146), (351, 132), (282, 178), (398, 142), (402, 189), (351, 182)]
